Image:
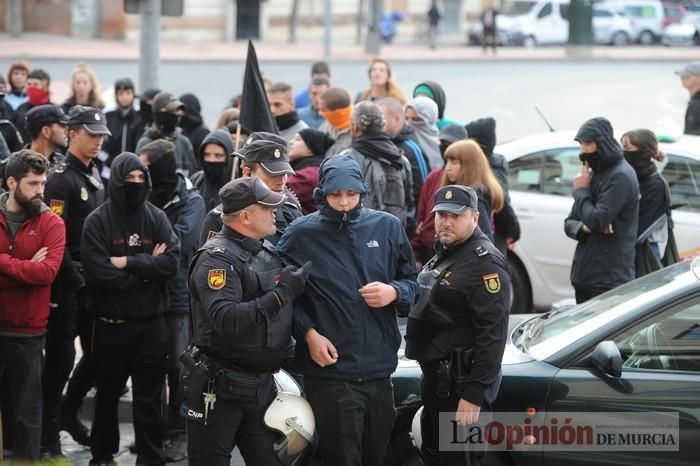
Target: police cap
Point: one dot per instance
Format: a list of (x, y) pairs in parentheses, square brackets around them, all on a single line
[(45, 115), (243, 192), (90, 118), (455, 199), (270, 154)]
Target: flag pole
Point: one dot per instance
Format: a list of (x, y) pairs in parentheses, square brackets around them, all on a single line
[(236, 145)]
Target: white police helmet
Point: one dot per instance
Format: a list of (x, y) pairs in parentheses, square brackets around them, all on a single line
[(416, 434)]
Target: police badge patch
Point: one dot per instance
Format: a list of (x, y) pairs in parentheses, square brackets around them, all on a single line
[(216, 278), (56, 206), (492, 283)]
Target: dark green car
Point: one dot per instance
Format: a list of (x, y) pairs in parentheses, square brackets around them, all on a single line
[(634, 349)]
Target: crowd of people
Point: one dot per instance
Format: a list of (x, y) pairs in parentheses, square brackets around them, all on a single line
[(125, 229)]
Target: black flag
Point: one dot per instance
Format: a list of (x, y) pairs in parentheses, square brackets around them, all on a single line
[(255, 109)]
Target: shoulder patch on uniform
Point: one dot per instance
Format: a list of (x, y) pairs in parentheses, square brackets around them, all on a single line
[(218, 249), (492, 282), (480, 251), (216, 278), (56, 206), (211, 234)]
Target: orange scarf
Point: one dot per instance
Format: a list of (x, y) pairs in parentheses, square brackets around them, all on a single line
[(339, 119)]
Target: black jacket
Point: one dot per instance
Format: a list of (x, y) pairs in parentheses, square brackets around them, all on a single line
[(192, 124), (184, 154), (604, 261), (126, 128), (139, 291), (692, 116), (208, 185), (654, 201), (401, 141), (185, 212)]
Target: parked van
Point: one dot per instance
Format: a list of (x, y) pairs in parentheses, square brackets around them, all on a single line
[(647, 18)]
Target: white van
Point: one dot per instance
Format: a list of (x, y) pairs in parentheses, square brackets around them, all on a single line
[(534, 22), (647, 18)]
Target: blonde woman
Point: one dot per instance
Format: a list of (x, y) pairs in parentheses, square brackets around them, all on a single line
[(85, 89), (466, 165), (381, 83)]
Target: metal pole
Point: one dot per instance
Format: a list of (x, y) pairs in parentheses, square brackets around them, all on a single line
[(373, 45), (14, 19), (328, 29), (149, 61)]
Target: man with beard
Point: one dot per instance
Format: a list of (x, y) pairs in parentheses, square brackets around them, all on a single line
[(282, 108), (38, 82), (263, 155), (384, 169), (129, 252), (167, 111), (192, 124), (605, 213), (185, 209), (215, 157), (73, 191), (124, 122), (32, 241)]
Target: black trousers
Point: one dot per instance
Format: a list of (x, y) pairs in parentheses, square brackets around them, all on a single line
[(21, 364), (232, 424), (136, 349), (354, 420), (179, 336), (583, 295), (60, 357), (432, 407), (83, 377)]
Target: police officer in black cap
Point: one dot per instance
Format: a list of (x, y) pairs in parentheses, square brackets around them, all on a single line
[(263, 155), (73, 191), (457, 330), (242, 315)]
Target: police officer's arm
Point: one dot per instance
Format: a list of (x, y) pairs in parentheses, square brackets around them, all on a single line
[(222, 301), (490, 326), (615, 193), (163, 266), (95, 255), (405, 281), (57, 195), (211, 223)]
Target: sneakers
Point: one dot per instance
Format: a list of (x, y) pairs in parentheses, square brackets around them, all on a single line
[(76, 429)]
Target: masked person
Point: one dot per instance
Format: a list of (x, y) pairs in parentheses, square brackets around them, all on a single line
[(146, 106), (125, 123), (336, 107), (216, 159), (185, 209), (604, 215), (242, 316), (38, 93), (421, 115), (282, 108), (192, 124), (167, 111), (129, 252), (457, 331)]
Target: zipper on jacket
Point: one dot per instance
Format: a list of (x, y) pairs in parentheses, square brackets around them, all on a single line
[(343, 220)]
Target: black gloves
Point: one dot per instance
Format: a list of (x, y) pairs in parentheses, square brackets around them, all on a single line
[(292, 282)]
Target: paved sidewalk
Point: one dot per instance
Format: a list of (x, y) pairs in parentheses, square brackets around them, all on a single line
[(32, 46)]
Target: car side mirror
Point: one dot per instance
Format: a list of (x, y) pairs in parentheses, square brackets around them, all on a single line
[(607, 358)]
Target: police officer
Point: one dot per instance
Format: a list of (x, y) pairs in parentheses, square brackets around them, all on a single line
[(457, 330), (73, 191), (241, 314), (263, 155)]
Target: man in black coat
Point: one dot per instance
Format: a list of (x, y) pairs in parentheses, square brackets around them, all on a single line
[(690, 79), (130, 252), (124, 122), (605, 213)]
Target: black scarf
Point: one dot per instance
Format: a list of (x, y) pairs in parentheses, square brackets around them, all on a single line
[(641, 163), (287, 120), (311, 161), (378, 146)]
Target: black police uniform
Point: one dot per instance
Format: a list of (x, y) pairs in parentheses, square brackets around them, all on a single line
[(241, 332), (73, 191), (457, 332)]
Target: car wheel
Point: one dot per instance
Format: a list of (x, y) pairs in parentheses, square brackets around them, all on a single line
[(529, 42), (647, 38), (522, 294), (402, 452), (620, 38)]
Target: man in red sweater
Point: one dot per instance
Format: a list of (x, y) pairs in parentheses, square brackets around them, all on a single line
[(32, 239)]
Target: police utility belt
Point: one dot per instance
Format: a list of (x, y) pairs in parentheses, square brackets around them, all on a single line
[(205, 380)]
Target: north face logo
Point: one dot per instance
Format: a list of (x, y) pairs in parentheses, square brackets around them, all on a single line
[(372, 244)]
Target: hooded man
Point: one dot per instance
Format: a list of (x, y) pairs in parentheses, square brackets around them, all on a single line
[(604, 216), (507, 226), (215, 157), (192, 124), (125, 123), (345, 326), (282, 108), (167, 111), (421, 115), (434, 92), (174, 194), (130, 252)]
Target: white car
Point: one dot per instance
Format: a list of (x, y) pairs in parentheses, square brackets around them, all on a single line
[(647, 18), (540, 173), (687, 32), (611, 26)]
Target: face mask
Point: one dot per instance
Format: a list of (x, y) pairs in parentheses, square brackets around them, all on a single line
[(214, 171), (146, 111), (135, 194), (592, 159), (167, 122), (37, 96)]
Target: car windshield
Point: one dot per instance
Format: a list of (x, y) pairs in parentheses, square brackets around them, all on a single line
[(517, 8), (543, 336)]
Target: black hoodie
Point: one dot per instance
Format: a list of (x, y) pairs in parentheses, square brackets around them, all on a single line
[(438, 93), (603, 261), (192, 123), (208, 185), (137, 292)]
